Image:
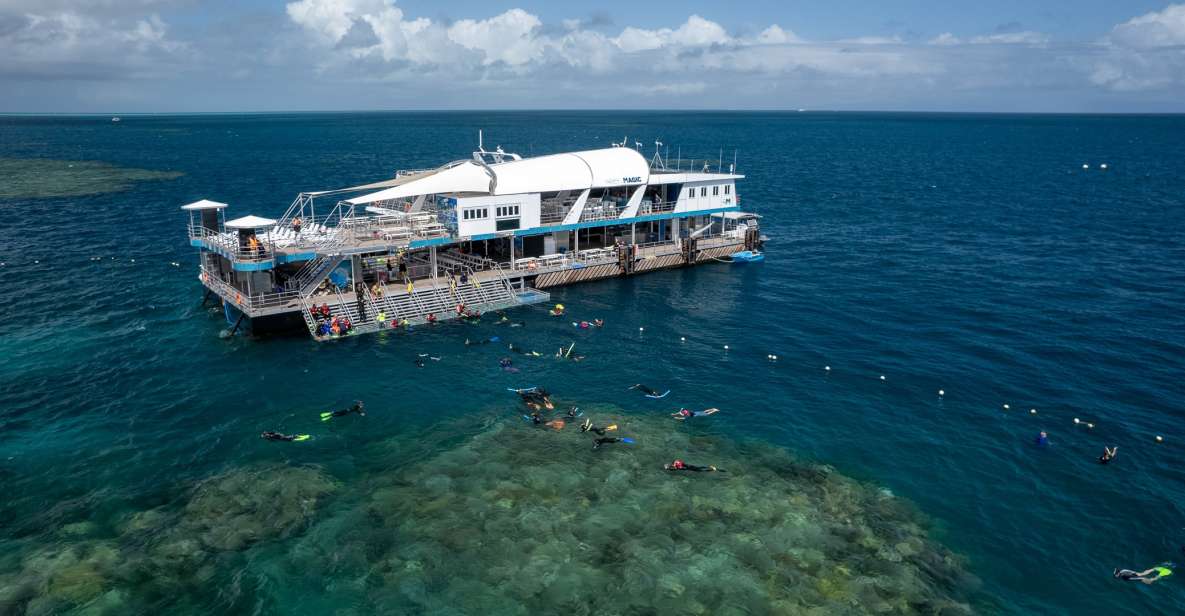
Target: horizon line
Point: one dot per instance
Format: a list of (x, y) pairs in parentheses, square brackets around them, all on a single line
[(578, 110)]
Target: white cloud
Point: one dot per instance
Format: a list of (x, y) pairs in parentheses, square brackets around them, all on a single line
[(696, 32), (1025, 37), (510, 37), (1144, 53), (1159, 29), (946, 38), (775, 35)]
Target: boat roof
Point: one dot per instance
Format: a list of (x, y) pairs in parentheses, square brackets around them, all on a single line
[(555, 172), (250, 222), (204, 204)]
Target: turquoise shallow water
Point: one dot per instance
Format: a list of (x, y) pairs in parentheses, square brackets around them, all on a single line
[(967, 253)]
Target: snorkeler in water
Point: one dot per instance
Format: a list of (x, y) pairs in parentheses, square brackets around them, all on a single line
[(1108, 454), (588, 426), (1146, 576), (469, 342), (288, 438), (573, 413), (597, 442), (680, 465), (650, 393), (358, 407), (520, 351), (685, 414)]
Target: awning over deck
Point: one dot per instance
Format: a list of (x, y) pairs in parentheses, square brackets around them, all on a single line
[(250, 222), (204, 204)]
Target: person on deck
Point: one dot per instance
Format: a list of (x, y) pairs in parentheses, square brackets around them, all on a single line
[(296, 224)]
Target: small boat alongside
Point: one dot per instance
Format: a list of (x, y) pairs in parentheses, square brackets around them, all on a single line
[(747, 256)]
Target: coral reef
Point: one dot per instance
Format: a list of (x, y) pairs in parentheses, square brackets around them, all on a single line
[(526, 520), (160, 556), (504, 517)]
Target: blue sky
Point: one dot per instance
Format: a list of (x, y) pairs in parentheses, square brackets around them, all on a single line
[(255, 55)]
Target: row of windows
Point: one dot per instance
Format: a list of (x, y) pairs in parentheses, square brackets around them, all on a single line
[(475, 213), (506, 211), (703, 191)]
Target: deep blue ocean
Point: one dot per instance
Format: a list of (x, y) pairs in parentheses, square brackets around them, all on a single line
[(967, 253)]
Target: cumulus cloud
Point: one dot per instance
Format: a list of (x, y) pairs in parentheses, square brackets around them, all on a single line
[(47, 43), (378, 48), (1144, 53), (1164, 28)]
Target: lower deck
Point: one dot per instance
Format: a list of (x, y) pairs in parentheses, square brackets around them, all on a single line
[(368, 292)]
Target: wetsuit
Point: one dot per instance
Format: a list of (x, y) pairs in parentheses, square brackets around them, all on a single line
[(357, 408), (605, 439), (276, 436), (644, 389), (691, 467)]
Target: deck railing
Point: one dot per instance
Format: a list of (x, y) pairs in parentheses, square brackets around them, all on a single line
[(244, 300)]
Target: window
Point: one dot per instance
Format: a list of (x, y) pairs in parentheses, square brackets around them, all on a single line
[(715, 191), (475, 213), (506, 211), (703, 191), (727, 189), (690, 193)]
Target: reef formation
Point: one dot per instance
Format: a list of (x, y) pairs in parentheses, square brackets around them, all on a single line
[(511, 518)]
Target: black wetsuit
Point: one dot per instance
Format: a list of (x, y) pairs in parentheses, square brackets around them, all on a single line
[(691, 467), (357, 408), (605, 439), (276, 436), (646, 390)]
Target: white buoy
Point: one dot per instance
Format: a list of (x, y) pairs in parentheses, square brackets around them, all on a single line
[(1090, 426), (1103, 166), (133, 260), (1086, 166), (774, 357), (1032, 411), (726, 347), (941, 392), (827, 368), (36, 261), (1006, 407), (882, 377), (682, 339), (1159, 438), (641, 329)]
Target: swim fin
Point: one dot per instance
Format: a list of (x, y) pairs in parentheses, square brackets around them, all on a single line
[(627, 440), (302, 437), (657, 396), (610, 428), (326, 416)]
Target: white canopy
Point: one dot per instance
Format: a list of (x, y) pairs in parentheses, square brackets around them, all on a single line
[(569, 171), (735, 215), (250, 222), (204, 204), (465, 177)]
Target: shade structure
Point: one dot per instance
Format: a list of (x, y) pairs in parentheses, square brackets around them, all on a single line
[(204, 204), (250, 222)]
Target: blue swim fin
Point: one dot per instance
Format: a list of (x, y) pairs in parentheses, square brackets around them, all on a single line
[(662, 395), (628, 440)]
